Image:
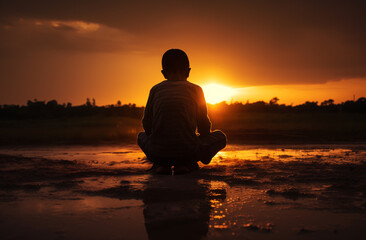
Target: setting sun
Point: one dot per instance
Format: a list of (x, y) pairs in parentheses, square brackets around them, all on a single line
[(215, 93)]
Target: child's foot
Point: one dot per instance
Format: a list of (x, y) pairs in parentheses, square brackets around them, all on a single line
[(205, 154), (185, 168), (181, 169), (165, 170)]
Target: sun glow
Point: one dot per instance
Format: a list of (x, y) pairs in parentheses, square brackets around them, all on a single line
[(215, 93)]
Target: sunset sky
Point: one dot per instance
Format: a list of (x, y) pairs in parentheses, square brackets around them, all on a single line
[(111, 50)]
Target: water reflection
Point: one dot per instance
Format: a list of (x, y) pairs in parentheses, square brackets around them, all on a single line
[(247, 192), (130, 156), (338, 154), (178, 207)]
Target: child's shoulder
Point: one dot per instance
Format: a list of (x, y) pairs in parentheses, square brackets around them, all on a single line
[(156, 86), (162, 84), (193, 85)]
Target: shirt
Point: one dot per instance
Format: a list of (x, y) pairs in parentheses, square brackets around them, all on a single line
[(174, 112)]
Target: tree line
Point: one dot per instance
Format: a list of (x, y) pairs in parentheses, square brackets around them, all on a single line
[(52, 109), (358, 106)]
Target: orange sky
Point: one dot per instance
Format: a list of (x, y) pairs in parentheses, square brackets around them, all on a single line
[(111, 50)]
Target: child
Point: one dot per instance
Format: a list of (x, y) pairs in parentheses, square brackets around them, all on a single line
[(176, 109)]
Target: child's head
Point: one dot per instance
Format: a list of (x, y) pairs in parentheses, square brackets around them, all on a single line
[(175, 65)]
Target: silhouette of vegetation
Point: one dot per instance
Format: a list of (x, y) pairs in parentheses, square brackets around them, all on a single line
[(52, 109), (310, 122), (358, 106), (41, 122)]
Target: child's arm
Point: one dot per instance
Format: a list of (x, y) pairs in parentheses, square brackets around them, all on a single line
[(203, 121), (147, 119)]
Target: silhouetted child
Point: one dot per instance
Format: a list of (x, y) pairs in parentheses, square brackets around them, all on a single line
[(175, 112)]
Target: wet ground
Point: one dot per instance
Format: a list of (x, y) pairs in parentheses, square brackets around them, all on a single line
[(247, 192)]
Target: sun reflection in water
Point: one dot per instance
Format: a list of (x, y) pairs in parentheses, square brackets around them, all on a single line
[(231, 157)]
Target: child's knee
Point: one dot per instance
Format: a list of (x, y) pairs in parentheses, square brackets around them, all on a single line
[(220, 137), (142, 139)]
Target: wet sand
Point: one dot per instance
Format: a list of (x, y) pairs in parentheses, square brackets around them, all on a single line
[(247, 192)]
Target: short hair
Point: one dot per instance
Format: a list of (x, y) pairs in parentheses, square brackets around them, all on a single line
[(175, 60)]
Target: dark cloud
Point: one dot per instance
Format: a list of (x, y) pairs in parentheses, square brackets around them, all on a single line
[(265, 42)]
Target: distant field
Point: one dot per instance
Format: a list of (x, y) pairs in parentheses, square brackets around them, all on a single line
[(76, 130), (249, 128), (293, 127)]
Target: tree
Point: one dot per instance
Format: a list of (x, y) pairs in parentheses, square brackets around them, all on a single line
[(88, 103), (274, 101), (328, 102), (52, 104)]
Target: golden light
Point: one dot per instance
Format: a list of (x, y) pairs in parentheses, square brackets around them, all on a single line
[(215, 93)]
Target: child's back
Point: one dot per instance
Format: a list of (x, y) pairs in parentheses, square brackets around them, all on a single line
[(175, 111)]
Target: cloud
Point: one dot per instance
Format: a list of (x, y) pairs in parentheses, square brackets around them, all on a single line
[(79, 26), (31, 35), (259, 43)]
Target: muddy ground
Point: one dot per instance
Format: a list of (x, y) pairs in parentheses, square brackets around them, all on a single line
[(247, 192)]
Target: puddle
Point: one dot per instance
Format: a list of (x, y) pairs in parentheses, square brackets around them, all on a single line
[(247, 192)]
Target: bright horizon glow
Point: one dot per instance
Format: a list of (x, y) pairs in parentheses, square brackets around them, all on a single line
[(216, 93), (104, 52)]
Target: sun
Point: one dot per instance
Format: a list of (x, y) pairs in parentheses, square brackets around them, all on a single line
[(215, 93)]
